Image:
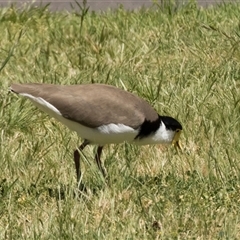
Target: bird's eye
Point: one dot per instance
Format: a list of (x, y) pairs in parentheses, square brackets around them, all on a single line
[(177, 130)]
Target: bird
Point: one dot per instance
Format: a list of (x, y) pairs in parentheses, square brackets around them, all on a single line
[(102, 114)]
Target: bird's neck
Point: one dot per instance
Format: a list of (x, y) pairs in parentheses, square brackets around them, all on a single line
[(161, 135)]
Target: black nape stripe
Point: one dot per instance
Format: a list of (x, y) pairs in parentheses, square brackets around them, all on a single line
[(148, 128)]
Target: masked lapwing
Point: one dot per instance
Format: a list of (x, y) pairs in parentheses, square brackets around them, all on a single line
[(102, 114)]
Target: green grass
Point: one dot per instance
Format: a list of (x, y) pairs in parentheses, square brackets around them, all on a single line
[(186, 62)]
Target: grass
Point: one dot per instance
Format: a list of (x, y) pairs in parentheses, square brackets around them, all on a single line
[(186, 62)]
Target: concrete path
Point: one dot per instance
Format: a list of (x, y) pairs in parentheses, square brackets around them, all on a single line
[(103, 4)]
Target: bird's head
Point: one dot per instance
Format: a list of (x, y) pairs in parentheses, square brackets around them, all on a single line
[(174, 126)]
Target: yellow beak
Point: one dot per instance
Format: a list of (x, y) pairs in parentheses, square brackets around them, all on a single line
[(175, 141)]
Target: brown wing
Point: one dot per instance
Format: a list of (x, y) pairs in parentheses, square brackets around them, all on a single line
[(93, 105)]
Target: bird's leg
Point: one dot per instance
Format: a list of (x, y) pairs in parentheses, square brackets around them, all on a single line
[(98, 161), (77, 159)]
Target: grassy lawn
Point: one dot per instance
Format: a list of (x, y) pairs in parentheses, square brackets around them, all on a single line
[(186, 62)]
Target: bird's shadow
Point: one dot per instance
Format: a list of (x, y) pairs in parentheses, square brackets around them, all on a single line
[(48, 190), (80, 191), (86, 191)]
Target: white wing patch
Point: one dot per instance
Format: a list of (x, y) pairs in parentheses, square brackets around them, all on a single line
[(118, 133), (115, 128)]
